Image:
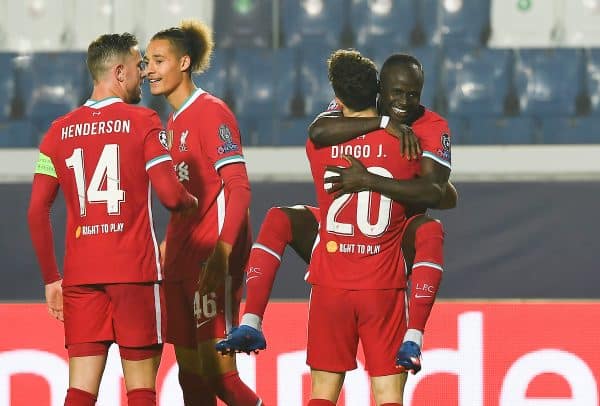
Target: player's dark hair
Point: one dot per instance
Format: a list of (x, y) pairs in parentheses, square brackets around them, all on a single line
[(191, 38), (403, 59), (106, 47), (353, 78)]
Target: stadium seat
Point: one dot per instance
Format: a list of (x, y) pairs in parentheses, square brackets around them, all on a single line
[(427, 30), (303, 88), (458, 129), (59, 83), (502, 130), (243, 23), (18, 134), (464, 22), (476, 81), (7, 84), (547, 80), (214, 80), (293, 131), (571, 130), (593, 79), (257, 131), (311, 22), (252, 80), (387, 22)]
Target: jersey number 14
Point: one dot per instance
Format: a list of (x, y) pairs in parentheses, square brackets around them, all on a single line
[(105, 183)]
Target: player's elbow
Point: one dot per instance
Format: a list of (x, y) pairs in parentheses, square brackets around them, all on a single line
[(174, 201), (317, 132), (432, 198)]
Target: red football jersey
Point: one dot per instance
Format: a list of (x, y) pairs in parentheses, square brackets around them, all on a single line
[(203, 137), (432, 131), (434, 137), (100, 153), (359, 235)]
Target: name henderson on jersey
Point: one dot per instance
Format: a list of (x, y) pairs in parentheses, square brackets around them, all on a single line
[(96, 128)]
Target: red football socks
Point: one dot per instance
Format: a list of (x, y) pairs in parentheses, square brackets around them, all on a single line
[(141, 397), (426, 273), (265, 258), (78, 397), (196, 390), (233, 391)]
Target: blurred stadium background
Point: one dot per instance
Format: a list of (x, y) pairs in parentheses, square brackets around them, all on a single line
[(518, 80)]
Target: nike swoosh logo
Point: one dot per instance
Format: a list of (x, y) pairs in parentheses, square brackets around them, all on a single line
[(203, 323), (421, 296)]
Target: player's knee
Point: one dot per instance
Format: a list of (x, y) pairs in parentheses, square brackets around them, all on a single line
[(429, 229), (277, 215), (188, 359), (388, 389)]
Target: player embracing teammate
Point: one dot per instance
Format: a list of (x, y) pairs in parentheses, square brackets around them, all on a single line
[(422, 240)]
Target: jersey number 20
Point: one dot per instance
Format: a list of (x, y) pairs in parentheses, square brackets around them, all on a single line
[(106, 174), (363, 210)]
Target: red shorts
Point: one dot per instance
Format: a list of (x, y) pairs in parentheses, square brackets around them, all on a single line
[(338, 318), (130, 314), (193, 318)]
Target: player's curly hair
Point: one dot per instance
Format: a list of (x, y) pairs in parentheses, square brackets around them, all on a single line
[(106, 47), (353, 78), (192, 38)]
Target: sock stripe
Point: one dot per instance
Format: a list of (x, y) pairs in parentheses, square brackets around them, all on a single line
[(428, 264), (267, 250)]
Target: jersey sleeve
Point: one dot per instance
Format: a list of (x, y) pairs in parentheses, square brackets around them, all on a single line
[(221, 138), (436, 143), (156, 142), (43, 193)]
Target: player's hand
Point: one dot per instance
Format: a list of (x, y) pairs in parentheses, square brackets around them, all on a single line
[(352, 179), (409, 143), (408, 357), (187, 212), (54, 299), (162, 249), (213, 273)]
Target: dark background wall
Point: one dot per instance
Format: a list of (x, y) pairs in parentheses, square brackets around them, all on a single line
[(504, 240)]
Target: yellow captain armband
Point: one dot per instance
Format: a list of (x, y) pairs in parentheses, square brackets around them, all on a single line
[(45, 166)]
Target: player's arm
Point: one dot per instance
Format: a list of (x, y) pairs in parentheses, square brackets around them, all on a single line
[(170, 192), (222, 144), (425, 191), (449, 199), (331, 128), (43, 193), (159, 166), (235, 181)]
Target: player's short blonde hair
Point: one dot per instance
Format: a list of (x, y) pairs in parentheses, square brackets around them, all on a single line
[(192, 38)]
